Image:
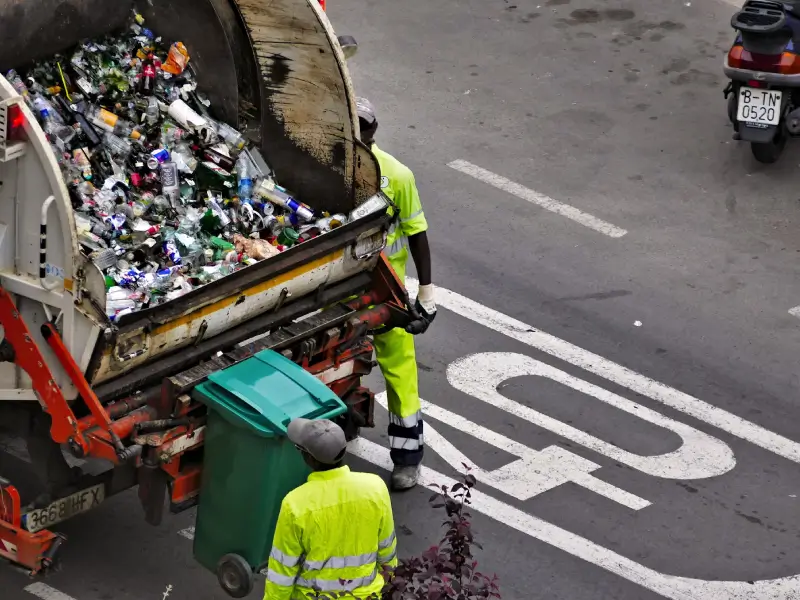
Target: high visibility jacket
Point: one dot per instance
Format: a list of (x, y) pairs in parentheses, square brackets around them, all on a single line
[(397, 182), (338, 526)]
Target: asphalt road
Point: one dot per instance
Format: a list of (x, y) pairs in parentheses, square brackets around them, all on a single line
[(629, 402)]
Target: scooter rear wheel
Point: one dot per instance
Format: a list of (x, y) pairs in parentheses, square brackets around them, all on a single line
[(769, 152)]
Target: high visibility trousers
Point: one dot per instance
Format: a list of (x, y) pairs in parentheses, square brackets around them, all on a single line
[(397, 359)]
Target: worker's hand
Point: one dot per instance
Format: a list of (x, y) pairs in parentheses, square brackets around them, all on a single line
[(425, 306)]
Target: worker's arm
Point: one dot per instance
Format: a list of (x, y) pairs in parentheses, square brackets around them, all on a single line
[(387, 546), (415, 228), (421, 253), (285, 559)]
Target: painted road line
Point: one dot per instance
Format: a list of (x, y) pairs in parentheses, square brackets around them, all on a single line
[(795, 312), (593, 363), (188, 533), (45, 592), (545, 202), (669, 586), (533, 473), (699, 456)]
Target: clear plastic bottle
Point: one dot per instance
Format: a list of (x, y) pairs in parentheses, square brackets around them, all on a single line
[(117, 146), (233, 138), (19, 86), (153, 113), (184, 158), (46, 110), (244, 174), (110, 122)]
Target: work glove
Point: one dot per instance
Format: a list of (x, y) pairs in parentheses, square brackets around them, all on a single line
[(425, 306)]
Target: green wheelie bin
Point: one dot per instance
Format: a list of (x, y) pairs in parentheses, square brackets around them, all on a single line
[(249, 464)]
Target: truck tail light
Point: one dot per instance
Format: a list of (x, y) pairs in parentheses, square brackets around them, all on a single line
[(322, 4), (16, 123), (12, 130)]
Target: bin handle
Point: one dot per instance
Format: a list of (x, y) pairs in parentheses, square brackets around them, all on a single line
[(239, 404)]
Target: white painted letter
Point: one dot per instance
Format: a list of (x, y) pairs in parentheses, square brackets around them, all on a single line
[(700, 456)]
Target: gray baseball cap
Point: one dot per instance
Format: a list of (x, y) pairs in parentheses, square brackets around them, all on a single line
[(322, 439), (365, 110)]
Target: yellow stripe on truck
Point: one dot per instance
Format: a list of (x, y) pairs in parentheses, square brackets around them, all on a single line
[(255, 290)]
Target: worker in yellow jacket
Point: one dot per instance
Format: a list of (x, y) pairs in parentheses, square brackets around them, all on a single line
[(395, 348), (335, 533)]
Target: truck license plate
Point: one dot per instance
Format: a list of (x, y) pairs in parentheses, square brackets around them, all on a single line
[(65, 508), (759, 106)]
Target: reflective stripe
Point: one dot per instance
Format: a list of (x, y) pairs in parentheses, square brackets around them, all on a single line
[(279, 579), (327, 585), (387, 559), (383, 545), (397, 246), (400, 443), (285, 559), (409, 422), (392, 227), (411, 216), (341, 562)]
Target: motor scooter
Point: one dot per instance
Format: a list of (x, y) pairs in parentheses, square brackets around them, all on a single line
[(763, 65)]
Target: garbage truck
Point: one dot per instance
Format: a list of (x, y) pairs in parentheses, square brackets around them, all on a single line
[(119, 393)]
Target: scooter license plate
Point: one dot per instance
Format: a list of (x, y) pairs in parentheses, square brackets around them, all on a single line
[(759, 106)]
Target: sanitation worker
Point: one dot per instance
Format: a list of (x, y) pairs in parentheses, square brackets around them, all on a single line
[(335, 532), (395, 348)]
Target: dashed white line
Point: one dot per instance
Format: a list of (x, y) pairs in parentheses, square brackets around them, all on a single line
[(795, 312), (188, 533), (45, 592), (520, 191)]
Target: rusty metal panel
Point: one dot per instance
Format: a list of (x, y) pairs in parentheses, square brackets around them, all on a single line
[(307, 100)]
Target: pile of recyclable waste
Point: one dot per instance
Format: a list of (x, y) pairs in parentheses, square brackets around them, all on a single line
[(165, 197)]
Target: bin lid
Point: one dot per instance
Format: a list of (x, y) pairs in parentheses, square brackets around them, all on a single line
[(265, 392)]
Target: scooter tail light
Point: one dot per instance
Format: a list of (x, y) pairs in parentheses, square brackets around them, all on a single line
[(790, 64), (735, 57)]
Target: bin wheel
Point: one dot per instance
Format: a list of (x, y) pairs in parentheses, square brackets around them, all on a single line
[(235, 575)]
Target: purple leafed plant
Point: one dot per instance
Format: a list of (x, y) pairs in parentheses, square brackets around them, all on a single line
[(447, 571)]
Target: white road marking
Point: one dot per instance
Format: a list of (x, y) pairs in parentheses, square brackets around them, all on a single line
[(45, 592), (669, 586), (593, 363), (700, 455), (536, 471), (795, 312), (545, 202), (188, 533)]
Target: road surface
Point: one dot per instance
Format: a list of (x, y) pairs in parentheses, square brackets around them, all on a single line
[(615, 353)]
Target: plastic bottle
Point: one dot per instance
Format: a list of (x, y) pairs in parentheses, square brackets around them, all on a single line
[(152, 113), (147, 78), (233, 138), (19, 86), (117, 146), (46, 110), (110, 122), (244, 174), (184, 159)]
